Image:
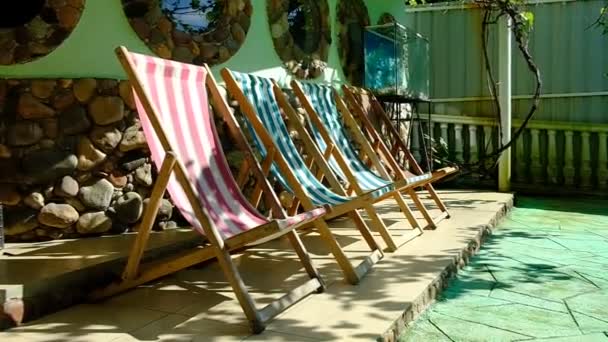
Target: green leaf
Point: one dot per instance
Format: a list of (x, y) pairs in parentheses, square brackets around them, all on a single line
[(195, 4), (529, 18)]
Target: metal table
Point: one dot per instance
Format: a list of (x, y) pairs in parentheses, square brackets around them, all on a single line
[(393, 105)]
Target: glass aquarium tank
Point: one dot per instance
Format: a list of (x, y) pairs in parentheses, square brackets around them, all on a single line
[(396, 62)]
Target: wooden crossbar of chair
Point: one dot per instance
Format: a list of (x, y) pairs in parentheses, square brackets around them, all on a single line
[(217, 247), (332, 150), (352, 274), (375, 160), (367, 155), (352, 96)]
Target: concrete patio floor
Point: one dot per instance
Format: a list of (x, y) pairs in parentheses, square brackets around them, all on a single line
[(542, 276), (198, 305)]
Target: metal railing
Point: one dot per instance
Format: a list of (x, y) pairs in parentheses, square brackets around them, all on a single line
[(551, 153)]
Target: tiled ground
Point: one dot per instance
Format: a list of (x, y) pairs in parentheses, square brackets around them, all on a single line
[(542, 276), (198, 305)]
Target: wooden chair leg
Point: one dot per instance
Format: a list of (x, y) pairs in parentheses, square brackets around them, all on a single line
[(350, 274), (238, 286), (293, 210), (437, 199), (305, 259), (363, 229), (257, 193), (408, 212), (139, 245), (425, 213), (380, 227)]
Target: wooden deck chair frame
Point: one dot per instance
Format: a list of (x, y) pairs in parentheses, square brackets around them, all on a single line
[(399, 146), (332, 150), (135, 273), (400, 174), (368, 151), (401, 185), (352, 274)]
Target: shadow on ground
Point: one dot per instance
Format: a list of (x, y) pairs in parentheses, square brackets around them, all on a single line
[(542, 275), (198, 303)]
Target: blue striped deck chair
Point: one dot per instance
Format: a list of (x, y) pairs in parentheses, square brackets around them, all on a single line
[(366, 107), (281, 159), (323, 109), (326, 125)]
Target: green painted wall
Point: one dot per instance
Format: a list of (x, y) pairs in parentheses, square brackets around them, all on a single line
[(89, 50)]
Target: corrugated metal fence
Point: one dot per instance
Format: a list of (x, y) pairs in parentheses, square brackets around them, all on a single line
[(566, 146), (573, 59)]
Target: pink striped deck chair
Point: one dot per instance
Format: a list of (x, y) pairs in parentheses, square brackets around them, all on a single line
[(173, 107)]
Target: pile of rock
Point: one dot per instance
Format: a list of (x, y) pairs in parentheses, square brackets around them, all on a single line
[(73, 159)]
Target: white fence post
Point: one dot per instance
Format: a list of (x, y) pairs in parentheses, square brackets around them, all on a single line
[(536, 169), (586, 159), (602, 173), (552, 156), (473, 156), (569, 158), (458, 141), (521, 158), (504, 93)]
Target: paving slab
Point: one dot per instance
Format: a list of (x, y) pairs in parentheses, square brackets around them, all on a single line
[(549, 279), (197, 304), (49, 276)]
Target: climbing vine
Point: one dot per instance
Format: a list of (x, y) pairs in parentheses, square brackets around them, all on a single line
[(602, 21), (522, 23)]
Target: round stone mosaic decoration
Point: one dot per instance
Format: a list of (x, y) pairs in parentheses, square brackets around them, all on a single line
[(301, 33), (191, 31), (30, 29)]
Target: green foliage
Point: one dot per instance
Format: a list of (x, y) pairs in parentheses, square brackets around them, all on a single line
[(440, 152), (181, 13), (528, 19), (522, 22), (602, 21), (195, 4)]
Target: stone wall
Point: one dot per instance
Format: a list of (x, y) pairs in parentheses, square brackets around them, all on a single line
[(73, 159)]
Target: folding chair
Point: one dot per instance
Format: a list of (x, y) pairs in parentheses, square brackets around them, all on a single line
[(356, 98), (324, 123), (271, 137), (173, 107), (324, 107)]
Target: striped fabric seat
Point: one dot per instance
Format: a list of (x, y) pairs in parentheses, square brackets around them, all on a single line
[(322, 99), (258, 91), (178, 93)]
